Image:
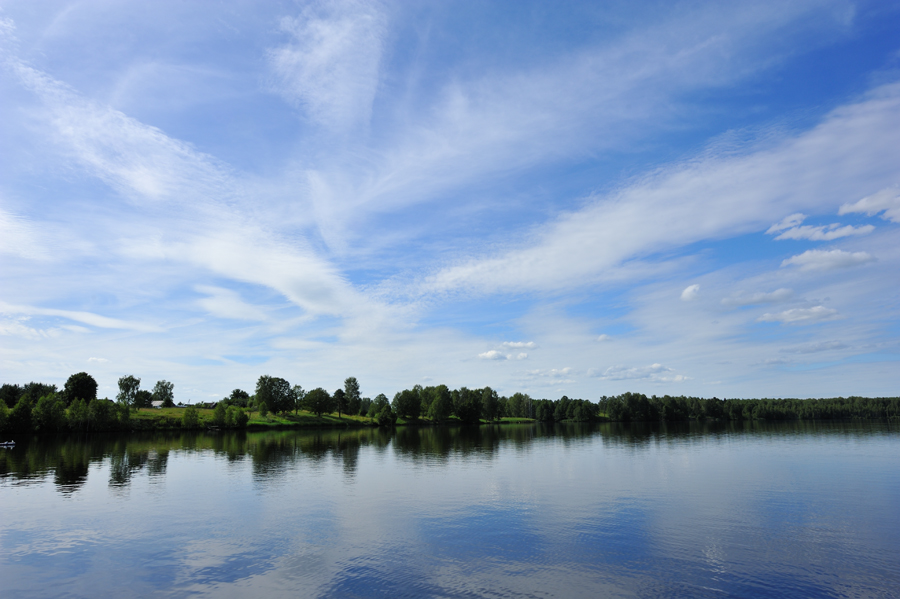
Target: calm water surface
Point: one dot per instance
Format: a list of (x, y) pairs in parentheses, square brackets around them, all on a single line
[(790, 510)]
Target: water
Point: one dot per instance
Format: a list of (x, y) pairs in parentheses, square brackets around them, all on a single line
[(787, 510)]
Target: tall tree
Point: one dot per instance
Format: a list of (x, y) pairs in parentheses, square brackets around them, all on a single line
[(164, 391), (317, 401), (80, 385), (407, 404), (239, 397), (339, 399), (351, 394), (10, 394), (274, 392), (467, 405), (128, 388), (297, 396), (378, 405), (441, 403), (143, 399), (490, 404)]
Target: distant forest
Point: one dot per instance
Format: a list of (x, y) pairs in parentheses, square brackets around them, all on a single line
[(38, 407)]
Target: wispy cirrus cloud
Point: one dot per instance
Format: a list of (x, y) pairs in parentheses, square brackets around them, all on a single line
[(330, 65), (761, 297), (713, 197), (226, 303), (89, 318), (790, 228), (814, 347)]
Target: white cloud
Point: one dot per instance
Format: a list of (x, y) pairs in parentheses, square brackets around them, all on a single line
[(825, 232), (741, 299), (788, 222), (330, 67), (801, 315), (94, 320), (827, 259), (815, 347), (227, 304), (17, 328), (714, 197), (97, 360), (553, 373), (18, 237), (519, 344), (604, 337), (497, 355), (656, 373), (690, 293), (887, 200)]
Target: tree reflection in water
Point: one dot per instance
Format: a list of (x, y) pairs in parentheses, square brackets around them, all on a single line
[(68, 459)]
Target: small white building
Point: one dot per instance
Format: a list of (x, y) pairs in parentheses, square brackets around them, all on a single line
[(156, 404)]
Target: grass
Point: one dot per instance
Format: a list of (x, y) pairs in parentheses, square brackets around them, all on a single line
[(170, 418)]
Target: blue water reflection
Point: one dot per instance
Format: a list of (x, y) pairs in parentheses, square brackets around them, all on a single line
[(689, 510)]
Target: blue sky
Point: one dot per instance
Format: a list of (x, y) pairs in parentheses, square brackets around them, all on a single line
[(583, 199)]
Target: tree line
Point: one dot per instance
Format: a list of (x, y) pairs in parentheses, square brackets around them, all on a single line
[(44, 408)]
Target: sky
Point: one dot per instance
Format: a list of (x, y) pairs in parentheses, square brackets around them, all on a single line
[(692, 198)]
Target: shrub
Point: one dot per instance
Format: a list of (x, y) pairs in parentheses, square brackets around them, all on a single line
[(191, 418), (219, 414), (49, 414), (386, 417)]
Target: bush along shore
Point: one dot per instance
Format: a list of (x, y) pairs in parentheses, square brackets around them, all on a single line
[(44, 409)]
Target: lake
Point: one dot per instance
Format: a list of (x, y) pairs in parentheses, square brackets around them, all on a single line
[(691, 510)]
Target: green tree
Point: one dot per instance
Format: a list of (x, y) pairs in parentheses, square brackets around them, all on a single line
[(351, 394), (377, 405), (78, 415), (407, 404), (219, 413), (49, 414), (239, 398), (263, 409), (164, 391), (364, 404), (191, 418), (387, 417), (339, 401), (235, 417), (143, 399), (128, 388), (298, 395), (10, 394), (318, 401), (80, 385), (34, 391), (20, 415), (275, 392), (467, 405), (490, 404), (441, 404), (4, 416), (101, 415)]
